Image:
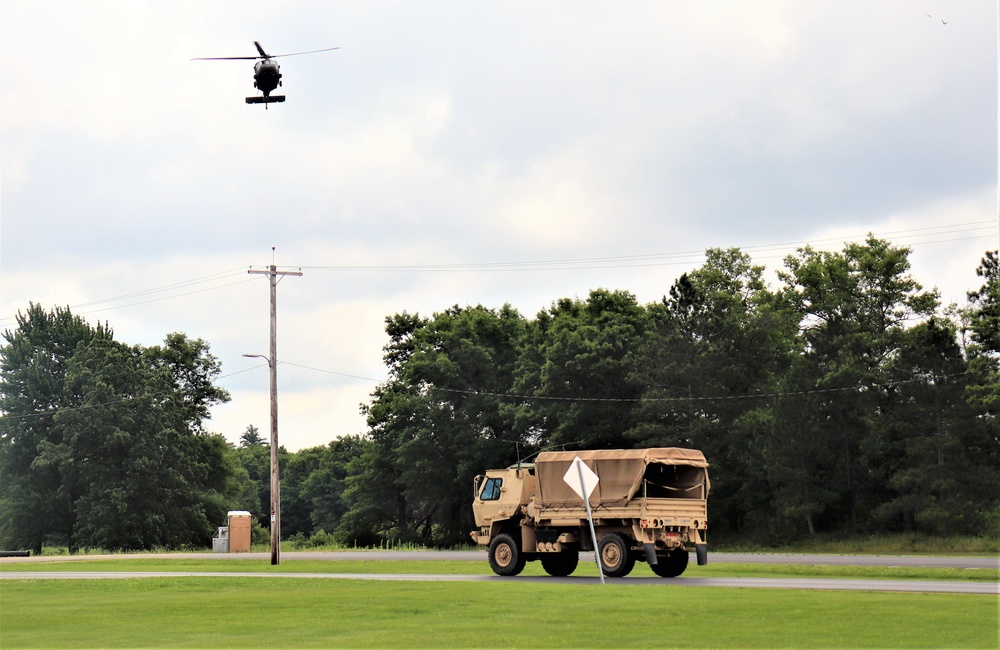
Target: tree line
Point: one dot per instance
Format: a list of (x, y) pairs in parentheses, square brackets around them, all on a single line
[(846, 399)]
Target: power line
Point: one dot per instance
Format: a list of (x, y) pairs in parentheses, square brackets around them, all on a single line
[(715, 398), (674, 258), (527, 397), (330, 372), (665, 258), (177, 285), (178, 295)]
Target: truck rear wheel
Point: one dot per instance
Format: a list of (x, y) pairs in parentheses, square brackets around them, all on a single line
[(670, 565), (616, 560), (506, 558), (560, 564)]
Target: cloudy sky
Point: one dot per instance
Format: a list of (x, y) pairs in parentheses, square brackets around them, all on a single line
[(467, 153)]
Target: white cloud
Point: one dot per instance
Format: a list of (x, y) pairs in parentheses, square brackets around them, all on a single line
[(462, 133)]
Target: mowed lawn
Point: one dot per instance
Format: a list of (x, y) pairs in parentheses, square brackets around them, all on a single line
[(247, 612)]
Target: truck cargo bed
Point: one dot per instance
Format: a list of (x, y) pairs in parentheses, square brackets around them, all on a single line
[(672, 512)]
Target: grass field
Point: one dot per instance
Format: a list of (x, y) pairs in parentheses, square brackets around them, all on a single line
[(249, 613), (246, 612)]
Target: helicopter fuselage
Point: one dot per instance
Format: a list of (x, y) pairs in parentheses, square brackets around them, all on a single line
[(266, 76), (266, 73)]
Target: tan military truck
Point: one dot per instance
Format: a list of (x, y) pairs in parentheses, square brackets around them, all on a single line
[(649, 505)]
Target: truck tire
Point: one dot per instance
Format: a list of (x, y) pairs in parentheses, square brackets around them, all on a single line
[(506, 558), (670, 565), (616, 560), (560, 564)]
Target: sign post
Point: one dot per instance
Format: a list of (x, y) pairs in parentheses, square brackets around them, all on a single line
[(583, 480)]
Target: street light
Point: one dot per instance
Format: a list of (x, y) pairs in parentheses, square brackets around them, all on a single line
[(275, 498)]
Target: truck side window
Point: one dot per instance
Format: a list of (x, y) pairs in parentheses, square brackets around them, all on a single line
[(491, 490)]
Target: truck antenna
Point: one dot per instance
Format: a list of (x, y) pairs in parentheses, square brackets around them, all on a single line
[(561, 446)]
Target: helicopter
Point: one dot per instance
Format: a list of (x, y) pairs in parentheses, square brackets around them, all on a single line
[(266, 72)]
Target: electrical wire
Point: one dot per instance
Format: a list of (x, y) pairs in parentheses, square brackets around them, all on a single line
[(674, 258), (177, 285), (524, 397), (329, 372), (178, 295), (670, 258), (711, 398), (168, 287)]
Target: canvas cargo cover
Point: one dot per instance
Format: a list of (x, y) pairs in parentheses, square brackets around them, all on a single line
[(620, 472)]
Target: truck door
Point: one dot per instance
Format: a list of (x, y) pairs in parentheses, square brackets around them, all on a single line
[(486, 506)]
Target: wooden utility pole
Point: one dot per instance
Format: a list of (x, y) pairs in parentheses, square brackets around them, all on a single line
[(272, 361)]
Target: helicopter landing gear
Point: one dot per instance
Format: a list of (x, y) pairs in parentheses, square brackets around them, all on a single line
[(271, 99)]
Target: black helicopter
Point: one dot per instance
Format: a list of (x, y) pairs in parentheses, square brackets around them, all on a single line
[(266, 72)]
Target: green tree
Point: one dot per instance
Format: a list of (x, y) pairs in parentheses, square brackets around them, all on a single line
[(35, 500), (296, 508), (253, 456), (939, 470), (854, 306), (434, 424), (316, 479), (251, 438), (983, 314), (717, 343), (130, 465), (985, 304), (577, 367), (983, 385)]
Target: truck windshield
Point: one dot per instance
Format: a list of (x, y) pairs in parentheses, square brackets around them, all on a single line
[(491, 490)]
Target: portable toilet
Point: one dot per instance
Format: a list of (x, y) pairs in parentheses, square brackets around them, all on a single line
[(239, 531)]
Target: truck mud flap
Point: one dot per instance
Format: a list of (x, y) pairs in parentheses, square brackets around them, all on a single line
[(650, 553), (701, 550)]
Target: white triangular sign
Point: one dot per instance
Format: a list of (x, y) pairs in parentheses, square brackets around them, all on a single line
[(578, 470)]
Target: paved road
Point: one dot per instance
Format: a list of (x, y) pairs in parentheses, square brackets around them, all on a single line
[(921, 586), (925, 561), (916, 586)]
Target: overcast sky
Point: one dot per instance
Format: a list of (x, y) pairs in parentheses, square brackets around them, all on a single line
[(467, 153)]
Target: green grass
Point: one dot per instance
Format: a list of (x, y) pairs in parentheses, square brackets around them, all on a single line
[(836, 543), (883, 544), (481, 567), (248, 613)]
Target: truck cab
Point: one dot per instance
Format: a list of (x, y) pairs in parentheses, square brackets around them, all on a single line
[(498, 498)]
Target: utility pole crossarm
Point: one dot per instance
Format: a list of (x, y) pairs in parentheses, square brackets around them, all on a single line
[(273, 271)]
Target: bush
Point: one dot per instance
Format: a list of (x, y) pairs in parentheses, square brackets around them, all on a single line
[(322, 538), (259, 534)]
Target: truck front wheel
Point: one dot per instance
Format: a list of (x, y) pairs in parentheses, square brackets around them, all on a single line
[(560, 564), (616, 560), (670, 565), (506, 558)]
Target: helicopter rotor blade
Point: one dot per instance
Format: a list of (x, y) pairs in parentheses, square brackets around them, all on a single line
[(226, 58), (326, 49), (263, 55)]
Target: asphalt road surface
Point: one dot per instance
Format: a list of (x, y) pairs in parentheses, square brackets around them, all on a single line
[(925, 561), (8, 570)]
